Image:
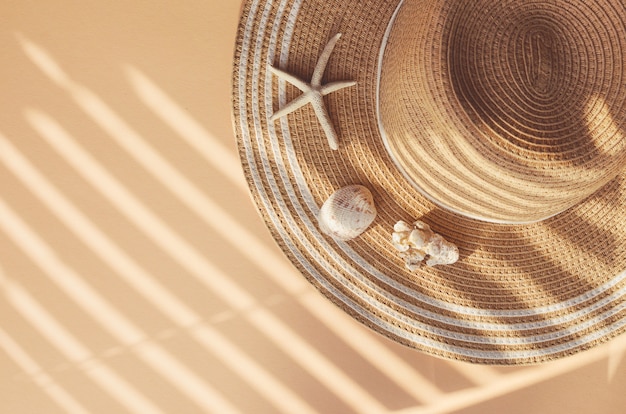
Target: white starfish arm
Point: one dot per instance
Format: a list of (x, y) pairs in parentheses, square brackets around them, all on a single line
[(294, 80), (320, 110), (300, 101), (335, 86), (320, 67)]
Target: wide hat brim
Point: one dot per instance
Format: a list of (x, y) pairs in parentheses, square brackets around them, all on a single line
[(519, 294)]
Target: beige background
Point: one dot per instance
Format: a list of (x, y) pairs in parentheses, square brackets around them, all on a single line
[(135, 274)]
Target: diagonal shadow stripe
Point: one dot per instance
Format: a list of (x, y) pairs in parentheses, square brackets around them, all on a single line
[(45, 382), (190, 130)]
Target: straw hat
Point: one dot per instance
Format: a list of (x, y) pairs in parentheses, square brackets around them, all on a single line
[(498, 123)]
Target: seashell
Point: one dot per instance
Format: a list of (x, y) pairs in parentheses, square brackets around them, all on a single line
[(347, 213)]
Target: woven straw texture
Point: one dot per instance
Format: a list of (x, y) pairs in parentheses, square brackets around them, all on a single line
[(520, 293), (507, 110)]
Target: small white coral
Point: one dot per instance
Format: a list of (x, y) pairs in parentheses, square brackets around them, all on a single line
[(418, 242), (400, 236)]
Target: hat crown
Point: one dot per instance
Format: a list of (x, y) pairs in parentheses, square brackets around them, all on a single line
[(506, 110)]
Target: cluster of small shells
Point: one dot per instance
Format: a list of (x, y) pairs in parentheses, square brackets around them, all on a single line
[(418, 242), (347, 213)]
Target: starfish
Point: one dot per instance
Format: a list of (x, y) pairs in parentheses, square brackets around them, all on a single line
[(313, 92)]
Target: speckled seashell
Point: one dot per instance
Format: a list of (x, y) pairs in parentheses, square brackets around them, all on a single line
[(347, 213)]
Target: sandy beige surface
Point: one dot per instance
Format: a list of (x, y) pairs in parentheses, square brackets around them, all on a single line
[(135, 274)]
